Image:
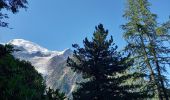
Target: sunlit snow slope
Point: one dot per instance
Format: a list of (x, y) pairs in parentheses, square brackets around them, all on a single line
[(51, 64)]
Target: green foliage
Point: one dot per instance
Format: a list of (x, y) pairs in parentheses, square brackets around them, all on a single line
[(148, 42), (55, 95), (7, 49), (20, 81), (103, 70)]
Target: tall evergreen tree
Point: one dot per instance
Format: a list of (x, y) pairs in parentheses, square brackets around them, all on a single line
[(148, 42), (102, 68)]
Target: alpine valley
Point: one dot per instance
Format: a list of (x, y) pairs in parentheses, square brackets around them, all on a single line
[(51, 64)]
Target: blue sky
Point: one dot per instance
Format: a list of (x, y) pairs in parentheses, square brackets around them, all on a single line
[(57, 24)]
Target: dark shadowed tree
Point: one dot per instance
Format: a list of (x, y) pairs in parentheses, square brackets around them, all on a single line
[(55, 94), (12, 6), (103, 70), (20, 81)]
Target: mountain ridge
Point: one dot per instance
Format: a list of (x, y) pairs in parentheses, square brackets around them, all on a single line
[(51, 64)]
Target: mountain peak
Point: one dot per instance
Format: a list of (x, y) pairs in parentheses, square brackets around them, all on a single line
[(31, 48), (27, 45), (51, 64), (67, 52)]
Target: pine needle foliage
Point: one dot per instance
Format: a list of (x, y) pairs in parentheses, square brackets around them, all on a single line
[(102, 69)]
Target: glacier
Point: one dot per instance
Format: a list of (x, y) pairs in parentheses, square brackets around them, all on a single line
[(51, 64)]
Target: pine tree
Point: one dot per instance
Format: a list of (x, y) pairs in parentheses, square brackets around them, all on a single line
[(148, 43), (102, 69)]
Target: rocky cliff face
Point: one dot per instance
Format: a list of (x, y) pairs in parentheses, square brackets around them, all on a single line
[(51, 64)]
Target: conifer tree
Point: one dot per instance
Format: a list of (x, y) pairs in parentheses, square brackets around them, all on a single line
[(102, 68), (148, 42)]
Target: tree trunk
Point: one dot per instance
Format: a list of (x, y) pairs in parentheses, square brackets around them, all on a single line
[(151, 70), (158, 69)]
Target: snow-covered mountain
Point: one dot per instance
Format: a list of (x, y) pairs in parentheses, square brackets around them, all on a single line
[(51, 64)]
